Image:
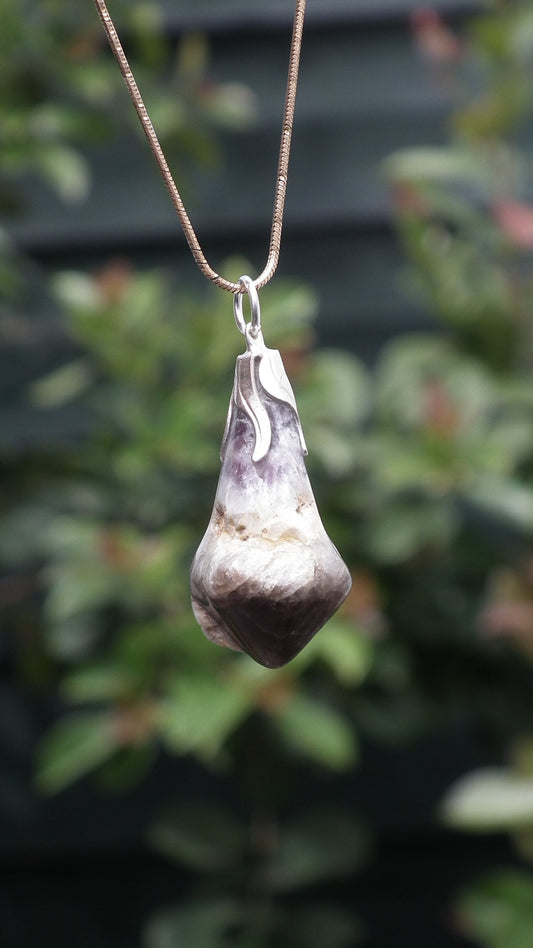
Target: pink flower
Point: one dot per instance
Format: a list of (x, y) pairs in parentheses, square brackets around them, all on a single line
[(516, 222), (434, 39)]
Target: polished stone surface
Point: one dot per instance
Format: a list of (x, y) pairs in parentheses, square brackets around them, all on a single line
[(266, 576)]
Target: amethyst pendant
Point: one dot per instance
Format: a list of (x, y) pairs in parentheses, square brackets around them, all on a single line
[(266, 576)]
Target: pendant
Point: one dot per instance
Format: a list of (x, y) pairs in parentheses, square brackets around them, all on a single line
[(266, 576)]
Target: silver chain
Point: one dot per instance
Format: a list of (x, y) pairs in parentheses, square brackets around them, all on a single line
[(157, 151)]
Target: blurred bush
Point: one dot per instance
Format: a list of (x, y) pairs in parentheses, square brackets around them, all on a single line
[(117, 531), (465, 217), (60, 91)]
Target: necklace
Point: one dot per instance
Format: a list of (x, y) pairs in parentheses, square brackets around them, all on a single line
[(266, 576)]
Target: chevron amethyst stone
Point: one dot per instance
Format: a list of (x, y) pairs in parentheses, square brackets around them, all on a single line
[(266, 576)]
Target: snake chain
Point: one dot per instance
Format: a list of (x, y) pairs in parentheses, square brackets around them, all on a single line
[(284, 154)]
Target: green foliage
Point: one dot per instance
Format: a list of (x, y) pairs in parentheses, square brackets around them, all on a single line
[(317, 731), (116, 533), (206, 924), (319, 844), (254, 868), (491, 800), (202, 836), (77, 745), (118, 529), (60, 90), (498, 912), (200, 714), (224, 924), (430, 430), (438, 429), (465, 219)]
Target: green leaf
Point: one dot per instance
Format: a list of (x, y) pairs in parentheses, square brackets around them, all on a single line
[(200, 925), (521, 756), (231, 105), (433, 164), (511, 441), (67, 172), (499, 911), (504, 498), (490, 800), (288, 307), (62, 386), (523, 843), (319, 845), (96, 683), (345, 649), (403, 529), (340, 387), (333, 402), (317, 731), (69, 535), (76, 290), (406, 367), (335, 449), (73, 748), (21, 533), (126, 769), (314, 926), (199, 714), (200, 835), (77, 588), (73, 639)]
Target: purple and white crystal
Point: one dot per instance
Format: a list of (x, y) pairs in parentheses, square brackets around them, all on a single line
[(266, 576)]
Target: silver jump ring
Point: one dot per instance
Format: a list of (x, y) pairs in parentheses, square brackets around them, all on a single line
[(254, 326)]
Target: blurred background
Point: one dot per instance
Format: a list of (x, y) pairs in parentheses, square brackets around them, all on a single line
[(159, 792)]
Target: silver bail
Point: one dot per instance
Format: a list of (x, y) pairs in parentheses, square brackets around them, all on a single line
[(253, 328), (259, 374)]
